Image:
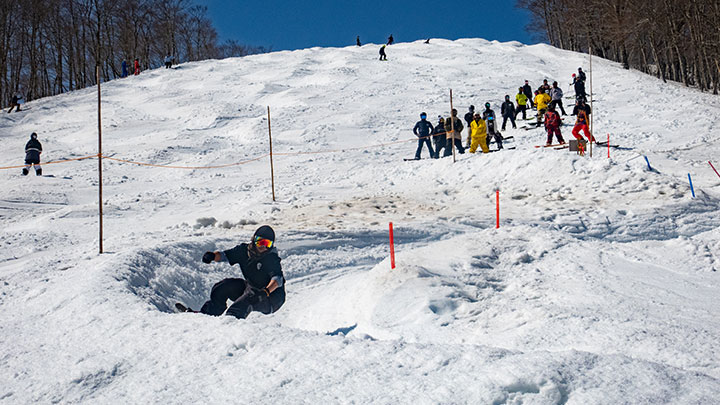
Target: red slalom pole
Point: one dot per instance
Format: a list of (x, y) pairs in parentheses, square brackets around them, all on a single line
[(716, 172), (497, 209), (608, 146), (392, 248)]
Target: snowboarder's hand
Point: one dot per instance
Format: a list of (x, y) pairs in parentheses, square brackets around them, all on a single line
[(208, 257)]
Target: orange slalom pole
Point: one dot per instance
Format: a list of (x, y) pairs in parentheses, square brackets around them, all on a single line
[(497, 209), (392, 248)]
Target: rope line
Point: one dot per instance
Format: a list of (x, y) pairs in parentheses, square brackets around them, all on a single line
[(53, 162)]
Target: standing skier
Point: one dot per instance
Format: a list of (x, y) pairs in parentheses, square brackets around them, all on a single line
[(541, 101), (468, 119), (357, 41), (493, 133), (527, 90), (124, 68), (453, 123), (383, 56), (507, 110), (581, 124), (263, 287), (581, 75), (439, 136), (168, 61), (390, 40), (479, 134), (522, 101), (489, 112), (422, 130), (137, 67), (552, 125), (33, 149), (579, 86), (556, 95)]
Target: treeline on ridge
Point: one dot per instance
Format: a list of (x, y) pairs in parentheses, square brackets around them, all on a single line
[(48, 47), (674, 40)]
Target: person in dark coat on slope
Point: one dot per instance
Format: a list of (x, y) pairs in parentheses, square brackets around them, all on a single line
[(579, 86), (453, 123), (469, 119), (439, 136), (390, 40), (383, 56), (507, 110), (527, 90), (357, 41), (15, 102), (124, 68), (263, 287), (493, 133), (33, 149), (423, 129)]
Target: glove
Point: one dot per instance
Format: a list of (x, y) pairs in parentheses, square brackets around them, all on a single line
[(261, 295), (208, 257)]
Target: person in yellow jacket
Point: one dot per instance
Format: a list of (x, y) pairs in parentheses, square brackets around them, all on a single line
[(522, 100), (478, 134), (542, 100)]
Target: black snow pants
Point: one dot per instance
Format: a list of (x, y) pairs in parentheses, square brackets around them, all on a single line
[(239, 291)]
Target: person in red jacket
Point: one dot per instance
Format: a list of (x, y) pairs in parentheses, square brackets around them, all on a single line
[(137, 67), (552, 125), (581, 123)]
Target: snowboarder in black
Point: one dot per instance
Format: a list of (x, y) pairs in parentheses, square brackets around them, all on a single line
[(15, 102), (422, 130), (508, 112), (527, 90), (468, 119), (383, 56), (488, 112), (439, 136), (263, 287), (581, 75), (390, 40), (33, 149)]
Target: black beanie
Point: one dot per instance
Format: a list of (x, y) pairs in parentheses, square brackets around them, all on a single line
[(265, 232)]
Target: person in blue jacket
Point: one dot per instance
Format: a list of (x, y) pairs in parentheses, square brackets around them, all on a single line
[(423, 129), (124, 72), (33, 149), (262, 287)]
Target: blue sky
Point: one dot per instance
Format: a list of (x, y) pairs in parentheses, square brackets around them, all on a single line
[(285, 25)]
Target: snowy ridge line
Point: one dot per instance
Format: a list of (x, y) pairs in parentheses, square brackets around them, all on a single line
[(53, 162)]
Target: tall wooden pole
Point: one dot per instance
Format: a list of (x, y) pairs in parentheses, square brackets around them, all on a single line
[(100, 188), (272, 172), (452, 128)]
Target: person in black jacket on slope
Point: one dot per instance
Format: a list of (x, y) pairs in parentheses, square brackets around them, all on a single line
[(263, 287)]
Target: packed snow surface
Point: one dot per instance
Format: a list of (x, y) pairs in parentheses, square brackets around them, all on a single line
[(599, 287)]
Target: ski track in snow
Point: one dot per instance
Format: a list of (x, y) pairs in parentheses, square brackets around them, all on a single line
[(600, 286)]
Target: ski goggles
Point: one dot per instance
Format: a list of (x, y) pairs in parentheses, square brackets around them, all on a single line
[(263, 242)]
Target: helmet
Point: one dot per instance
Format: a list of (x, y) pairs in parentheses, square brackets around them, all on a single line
[(265, 232), (507, 97), (423, 115), (573, 75), (33, 136), (487, 105), (472, 108)]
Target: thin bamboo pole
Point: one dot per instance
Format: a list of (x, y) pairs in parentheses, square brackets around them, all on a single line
[(100, 178), (452, 127), (592, 114), (272, 171)]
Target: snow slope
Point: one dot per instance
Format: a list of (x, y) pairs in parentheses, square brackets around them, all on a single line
[(600, 286)]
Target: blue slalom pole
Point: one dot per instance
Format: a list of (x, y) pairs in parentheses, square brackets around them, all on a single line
[(691, 186), (648, 162)]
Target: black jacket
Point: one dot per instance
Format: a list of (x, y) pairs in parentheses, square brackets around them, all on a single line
[(507, 109), (423, 128), (32, 150), (527, 90), (469, 117), (584, 107), (488, 112), (258, 271)]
